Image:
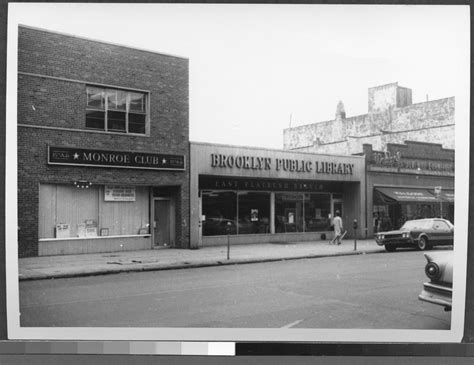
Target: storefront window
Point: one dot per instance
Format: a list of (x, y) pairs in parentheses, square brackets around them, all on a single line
[(393, 216), (66, 211), (219, 210), (254, 213), (317, 208), (288, 212), (294, 212)]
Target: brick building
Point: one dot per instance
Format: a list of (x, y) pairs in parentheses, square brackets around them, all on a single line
[(103, 146), (391, 118)]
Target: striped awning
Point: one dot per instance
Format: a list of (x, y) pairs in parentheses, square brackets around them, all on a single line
[(409, 195)]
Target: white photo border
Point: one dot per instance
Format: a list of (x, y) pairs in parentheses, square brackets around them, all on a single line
[(15, 331)]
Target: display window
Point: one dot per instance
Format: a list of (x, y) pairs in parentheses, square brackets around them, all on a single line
[(245, 212), (393, 216), (254, 212), (288, 212), (66, 211), (317, 210), (219, 211)]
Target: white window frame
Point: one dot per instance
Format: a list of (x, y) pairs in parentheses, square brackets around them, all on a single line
[(106, 109)]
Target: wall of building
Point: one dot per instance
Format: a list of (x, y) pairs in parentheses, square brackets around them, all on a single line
[(53, 71), (410, 165), (202, 164), (389, 120)]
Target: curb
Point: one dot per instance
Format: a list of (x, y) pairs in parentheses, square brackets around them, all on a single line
[(185, 265)]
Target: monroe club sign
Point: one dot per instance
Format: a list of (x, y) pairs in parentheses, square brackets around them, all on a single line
[(121, 159), (281, 164)]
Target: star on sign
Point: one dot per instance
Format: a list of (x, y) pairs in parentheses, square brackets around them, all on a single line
[(164, 161), (76, 156)]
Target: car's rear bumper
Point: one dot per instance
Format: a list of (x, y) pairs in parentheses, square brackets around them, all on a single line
[(437, 294)]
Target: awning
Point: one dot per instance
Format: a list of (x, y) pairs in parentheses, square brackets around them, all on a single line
[(445, 195), (407, 195)]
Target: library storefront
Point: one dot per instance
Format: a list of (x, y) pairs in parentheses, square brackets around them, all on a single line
[(252, 195)]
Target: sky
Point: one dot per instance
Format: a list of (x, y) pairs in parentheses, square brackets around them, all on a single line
[(257, 69)]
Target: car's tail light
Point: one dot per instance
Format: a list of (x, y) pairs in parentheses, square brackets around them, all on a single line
[(432, 271), (406, 235)]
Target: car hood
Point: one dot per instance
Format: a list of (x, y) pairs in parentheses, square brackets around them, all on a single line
[(444, 260)]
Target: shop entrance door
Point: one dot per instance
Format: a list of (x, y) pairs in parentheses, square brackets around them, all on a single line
[(163, 225), (337, 206)]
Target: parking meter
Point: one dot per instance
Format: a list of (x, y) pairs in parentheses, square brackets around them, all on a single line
[(354, 225)]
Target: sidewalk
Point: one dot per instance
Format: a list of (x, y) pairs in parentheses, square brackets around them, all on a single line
[(47, 267)]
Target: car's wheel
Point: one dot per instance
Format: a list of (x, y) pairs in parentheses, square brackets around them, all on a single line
[(422, 243), (390, 248)]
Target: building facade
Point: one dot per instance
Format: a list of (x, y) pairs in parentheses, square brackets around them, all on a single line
[(103, 151), (408, 181), (254, 195), (391, 118)]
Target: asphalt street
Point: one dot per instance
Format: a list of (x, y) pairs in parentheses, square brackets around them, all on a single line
[(364, 291)]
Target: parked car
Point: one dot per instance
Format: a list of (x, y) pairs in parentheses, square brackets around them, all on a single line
[(214, 226), (420, 233), (218, 226), (439, 269)]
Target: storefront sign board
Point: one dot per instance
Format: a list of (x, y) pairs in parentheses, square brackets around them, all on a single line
[(209, 182), (117, 193), (120, 159), (305, 165)]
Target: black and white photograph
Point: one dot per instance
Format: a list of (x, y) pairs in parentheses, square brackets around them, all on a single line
[(237, 172)]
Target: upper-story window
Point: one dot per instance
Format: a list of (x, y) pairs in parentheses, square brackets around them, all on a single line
[(115, 110)]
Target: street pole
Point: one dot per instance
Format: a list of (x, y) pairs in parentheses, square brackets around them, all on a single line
[(228, 247), (354, 224), (437, 191)]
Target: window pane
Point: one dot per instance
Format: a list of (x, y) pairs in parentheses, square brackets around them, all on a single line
[(136, 123), (116, 99), (116, 121), (137, 102), (254, 213), (288, 212), (95, 98), (219, 210), (95, 119), (66, 204), (317, 208)]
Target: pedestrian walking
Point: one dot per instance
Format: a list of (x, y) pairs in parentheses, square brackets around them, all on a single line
[(337, 229)]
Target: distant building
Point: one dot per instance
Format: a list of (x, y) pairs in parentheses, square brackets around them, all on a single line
[(391, 118), (408, 148)]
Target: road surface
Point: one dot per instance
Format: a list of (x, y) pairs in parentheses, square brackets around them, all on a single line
[(377, 291)]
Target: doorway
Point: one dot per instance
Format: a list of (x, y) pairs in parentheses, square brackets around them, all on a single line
[(163, 222), (337, 206)]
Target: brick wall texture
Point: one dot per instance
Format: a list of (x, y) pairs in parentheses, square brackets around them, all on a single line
[(386, 122), (58, 103)]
